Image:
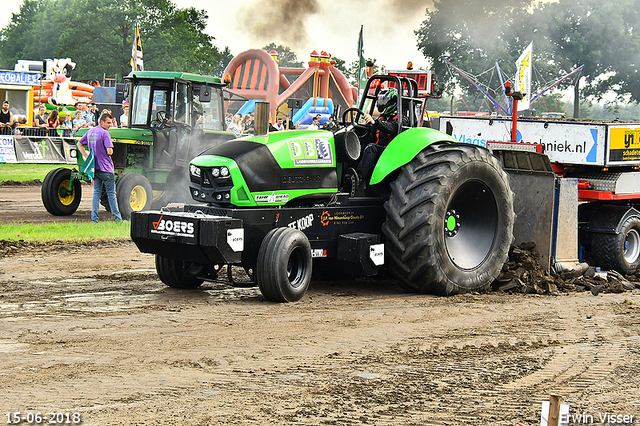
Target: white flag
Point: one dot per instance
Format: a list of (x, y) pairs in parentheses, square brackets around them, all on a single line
[(523, 77)]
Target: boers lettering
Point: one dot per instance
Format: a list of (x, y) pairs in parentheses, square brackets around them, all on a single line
[(176, 226)]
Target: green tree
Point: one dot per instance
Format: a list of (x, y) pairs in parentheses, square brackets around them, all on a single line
[(33, 33), (602, 36), (551, 102), (340, 64), (353, 72), (473, 35), (286, 56), (99, 34)]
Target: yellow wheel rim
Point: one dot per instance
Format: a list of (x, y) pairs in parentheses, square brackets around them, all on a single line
[(157, 195), (69, 198), (138, 198)]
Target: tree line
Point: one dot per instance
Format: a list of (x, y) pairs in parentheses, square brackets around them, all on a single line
[(602, 36), (98, 35)]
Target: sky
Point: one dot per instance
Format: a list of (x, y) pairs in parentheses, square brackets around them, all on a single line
[(308, 25)]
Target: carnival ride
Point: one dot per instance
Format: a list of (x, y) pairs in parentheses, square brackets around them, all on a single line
[(318, 89)]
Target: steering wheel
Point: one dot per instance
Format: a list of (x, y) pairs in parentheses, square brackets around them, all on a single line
[(161, 119), (365, 130), (353, 116)]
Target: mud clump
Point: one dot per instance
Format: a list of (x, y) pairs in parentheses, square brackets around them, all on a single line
[(522, 273), (19, 247), (32, 182)]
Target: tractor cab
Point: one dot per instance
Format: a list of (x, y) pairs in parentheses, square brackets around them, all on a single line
[(405, 113), (175, 107), (410, 104)]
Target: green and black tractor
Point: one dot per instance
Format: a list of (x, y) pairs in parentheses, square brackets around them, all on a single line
[(172, 118), (436, 213)]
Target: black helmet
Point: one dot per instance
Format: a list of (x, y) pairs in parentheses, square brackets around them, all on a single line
[(387, 100)]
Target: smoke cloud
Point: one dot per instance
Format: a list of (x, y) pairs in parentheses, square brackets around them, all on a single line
[(289, 22), (280, 21)]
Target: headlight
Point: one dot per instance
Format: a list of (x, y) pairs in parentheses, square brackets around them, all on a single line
[(224, 172), (195, 171), (215, 172)]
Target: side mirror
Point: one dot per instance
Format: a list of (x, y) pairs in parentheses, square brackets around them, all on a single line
[(205, 93)]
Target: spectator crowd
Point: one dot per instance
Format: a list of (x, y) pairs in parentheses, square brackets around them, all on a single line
[(57, 123), (244, 125)]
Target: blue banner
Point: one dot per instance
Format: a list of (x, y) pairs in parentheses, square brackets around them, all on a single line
[(17, 77)]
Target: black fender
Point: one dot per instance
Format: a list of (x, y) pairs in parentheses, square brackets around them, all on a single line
[(608, 219)]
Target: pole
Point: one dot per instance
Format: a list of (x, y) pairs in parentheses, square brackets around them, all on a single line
[(502, 83), (576, 98), (554, 409), (514, 126)]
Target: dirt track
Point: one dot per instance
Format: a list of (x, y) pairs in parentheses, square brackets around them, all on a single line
[(24, 204), (91, 330)]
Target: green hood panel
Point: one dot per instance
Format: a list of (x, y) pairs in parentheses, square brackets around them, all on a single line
[(299, 148), (276, 168), (403, 148)]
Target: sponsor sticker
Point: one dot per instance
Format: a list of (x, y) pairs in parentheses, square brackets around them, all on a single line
[(174, 227), (235, 239), (272, 198), (305, 152), (325, 217), (318, 253), (376, 253), (340, 218), (302, 223)]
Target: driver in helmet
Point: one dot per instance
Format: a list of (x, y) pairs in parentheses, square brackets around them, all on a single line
[(386, 128)]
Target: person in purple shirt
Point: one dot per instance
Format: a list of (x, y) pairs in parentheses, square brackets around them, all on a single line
[(99, 142)]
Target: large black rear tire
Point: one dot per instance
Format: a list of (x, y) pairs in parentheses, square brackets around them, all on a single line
[(449, 220), (284, 265), (181, 274), (620, 252), (134, 194), (55, 195)]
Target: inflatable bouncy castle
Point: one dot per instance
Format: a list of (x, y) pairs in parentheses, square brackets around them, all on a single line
[(318, 89)]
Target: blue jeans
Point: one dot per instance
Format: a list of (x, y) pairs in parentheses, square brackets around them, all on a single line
[(109, 181)]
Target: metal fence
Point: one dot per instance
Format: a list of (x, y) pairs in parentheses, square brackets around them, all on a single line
[(35, 131)]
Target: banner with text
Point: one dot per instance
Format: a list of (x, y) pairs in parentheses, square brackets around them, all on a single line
[(42, 149), (7, 153)]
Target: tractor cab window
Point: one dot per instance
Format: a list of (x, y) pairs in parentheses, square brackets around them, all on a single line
[(209, 115), (160, 102), (370, 104), (182, 104), (140, 106)]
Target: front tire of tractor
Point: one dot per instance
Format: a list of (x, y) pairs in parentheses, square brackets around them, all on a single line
[(55, 195), (284, 265), (620, 252), (181, 274), (449, 220), (134, 194)]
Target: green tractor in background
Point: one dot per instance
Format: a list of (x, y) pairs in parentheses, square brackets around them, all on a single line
[(173, 117), (436, 213)]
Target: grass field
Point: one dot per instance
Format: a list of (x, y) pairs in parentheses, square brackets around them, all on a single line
[(65, 231), (22, 172)]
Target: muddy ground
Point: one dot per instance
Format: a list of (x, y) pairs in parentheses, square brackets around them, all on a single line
[(23, 203), (90, 329)]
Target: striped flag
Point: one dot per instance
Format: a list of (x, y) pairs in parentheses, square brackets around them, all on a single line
[(136, 53)]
